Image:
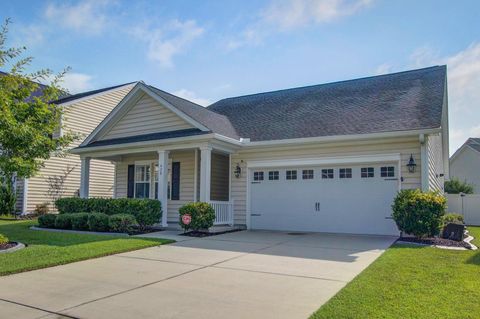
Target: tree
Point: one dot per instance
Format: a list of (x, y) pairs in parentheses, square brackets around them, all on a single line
[(28, 121), (455, 186)]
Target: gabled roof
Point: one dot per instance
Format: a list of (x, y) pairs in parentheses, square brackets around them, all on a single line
[(77, 96), (472, 143), (404, 101)]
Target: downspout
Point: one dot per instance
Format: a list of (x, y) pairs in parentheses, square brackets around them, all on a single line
[(424, 161), (25, 196)]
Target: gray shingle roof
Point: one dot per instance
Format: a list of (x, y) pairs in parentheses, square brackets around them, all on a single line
[(217, 123), (474, 143), (402, 101)]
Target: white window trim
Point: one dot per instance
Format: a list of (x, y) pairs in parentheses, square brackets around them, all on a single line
[(149, 181)]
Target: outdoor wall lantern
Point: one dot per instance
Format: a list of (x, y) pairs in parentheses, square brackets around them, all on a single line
[(237, 171), (411, 164)]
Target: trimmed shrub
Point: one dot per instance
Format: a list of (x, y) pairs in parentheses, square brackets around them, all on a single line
[(453, 218), (122, 223), (63, 221), (41, 209), (98, 222), (3, 239), (147, 212), (202, 215), (419, 213), (455, 186), (70, 205), (80, 221), (7, 199), (47, 221)]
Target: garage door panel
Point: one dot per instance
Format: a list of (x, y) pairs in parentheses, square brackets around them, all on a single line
[(349, 205)]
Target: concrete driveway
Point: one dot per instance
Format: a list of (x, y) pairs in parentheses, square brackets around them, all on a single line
[(248, 274)]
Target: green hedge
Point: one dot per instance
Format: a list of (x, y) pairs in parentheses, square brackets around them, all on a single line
[(47, 221), (63, 221), (147, 212), (98, 222), (202, 215), (121, 223), (419, 213), (79, 221)]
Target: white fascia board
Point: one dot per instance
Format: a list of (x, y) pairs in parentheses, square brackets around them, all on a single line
[(378, 158), (129, 147), (339, 138), (95, 95)]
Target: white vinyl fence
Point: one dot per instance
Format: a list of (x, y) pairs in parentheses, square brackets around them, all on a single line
[(467, 205)]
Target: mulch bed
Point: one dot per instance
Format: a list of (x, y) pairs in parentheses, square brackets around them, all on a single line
[(435, 241), (201, 234), (7, 245)]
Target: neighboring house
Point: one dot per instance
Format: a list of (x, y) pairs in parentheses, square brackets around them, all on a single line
[(61, 175), (465, 163), (326, 158)]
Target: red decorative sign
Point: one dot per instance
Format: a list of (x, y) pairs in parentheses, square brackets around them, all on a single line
[(186, 219)]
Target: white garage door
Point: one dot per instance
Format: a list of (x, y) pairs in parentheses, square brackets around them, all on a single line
[(353, 199)]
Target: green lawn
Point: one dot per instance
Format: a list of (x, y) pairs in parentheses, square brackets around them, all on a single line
[(47, 249), (413, 282)]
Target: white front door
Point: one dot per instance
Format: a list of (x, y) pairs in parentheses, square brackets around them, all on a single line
[(339, 199)]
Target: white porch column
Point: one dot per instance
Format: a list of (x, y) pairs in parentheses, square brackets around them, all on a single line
[(205, 169), (84, 176), (163, 184)]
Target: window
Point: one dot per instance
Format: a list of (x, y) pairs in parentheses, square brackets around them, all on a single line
[(142, 181), (307, 174), (367, 172), (327, 173), (291, 175), (345, 172), (387, 171), (258, 176), (273, 175)]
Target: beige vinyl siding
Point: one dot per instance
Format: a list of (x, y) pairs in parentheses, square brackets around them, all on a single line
[(146, 116), (82, 118), (465, 167), (435, 162), (404, 146), (187, 169), (219, 177)]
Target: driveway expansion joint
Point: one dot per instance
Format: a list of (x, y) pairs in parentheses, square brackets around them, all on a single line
[(49, 312)]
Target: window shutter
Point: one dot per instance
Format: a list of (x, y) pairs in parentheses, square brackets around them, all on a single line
[(131, 181), (175, 180)]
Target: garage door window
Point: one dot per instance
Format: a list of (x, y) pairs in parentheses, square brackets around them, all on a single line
[(367, 172), (387, 171), (307, 174), (327, 173), (345, 173), (291, 175), (258, 176), (273, 175)]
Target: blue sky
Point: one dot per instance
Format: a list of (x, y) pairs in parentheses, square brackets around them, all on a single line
[(208, 50)]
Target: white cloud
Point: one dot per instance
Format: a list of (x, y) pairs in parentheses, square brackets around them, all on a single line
[(192, 96), (77, 82), (166, 42), (287, 15), (383, 69), (89, 16)]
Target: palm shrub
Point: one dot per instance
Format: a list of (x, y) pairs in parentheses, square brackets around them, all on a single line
[(202, 215), (3, 239), (419, 213), (455, 186)]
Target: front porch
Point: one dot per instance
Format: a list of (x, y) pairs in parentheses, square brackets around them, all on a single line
[(175, 175)]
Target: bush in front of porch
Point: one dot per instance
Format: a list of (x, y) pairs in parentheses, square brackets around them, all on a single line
[(196, 216), (147, 212)]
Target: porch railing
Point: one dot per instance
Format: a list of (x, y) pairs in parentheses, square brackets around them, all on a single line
[(223, 212)]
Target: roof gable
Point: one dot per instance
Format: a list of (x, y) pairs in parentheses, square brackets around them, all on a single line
[(411, 100), (472, 144)]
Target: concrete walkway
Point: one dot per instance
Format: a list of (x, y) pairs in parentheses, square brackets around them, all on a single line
[(237, 275)]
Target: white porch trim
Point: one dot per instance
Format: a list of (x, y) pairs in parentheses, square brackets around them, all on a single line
[(163, 184), (25, 196), (205, 172), (84, 176)]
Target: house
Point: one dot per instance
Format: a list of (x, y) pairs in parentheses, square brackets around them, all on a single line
[(465, 163), (60, 175), (326, 158)]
